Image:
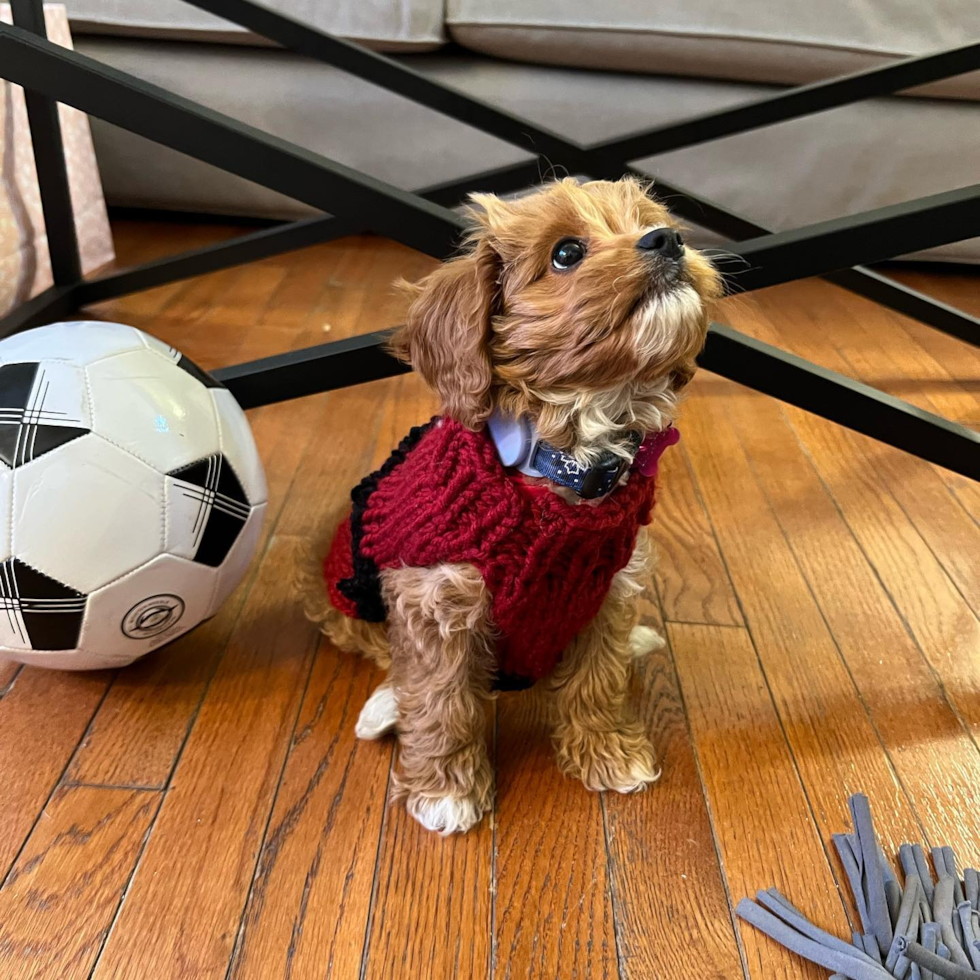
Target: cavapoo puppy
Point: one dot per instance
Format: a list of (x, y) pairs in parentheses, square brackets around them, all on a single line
[(500, 544)]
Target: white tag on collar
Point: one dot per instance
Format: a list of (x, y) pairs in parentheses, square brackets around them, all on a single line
[(515, 439)]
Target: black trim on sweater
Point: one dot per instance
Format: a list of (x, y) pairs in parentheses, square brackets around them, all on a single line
[(363, 588)]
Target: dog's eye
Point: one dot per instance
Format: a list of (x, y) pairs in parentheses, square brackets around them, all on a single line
[(568, 252)]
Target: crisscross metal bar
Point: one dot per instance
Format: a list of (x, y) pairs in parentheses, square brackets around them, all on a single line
[(53, 303), (794, 103), (361, 200), (870, 236), (610, 159), (790, 104), (389, 74), (49, 158), (606, 159), (279, 239), (727, 352), (183, 125), (210, 136)]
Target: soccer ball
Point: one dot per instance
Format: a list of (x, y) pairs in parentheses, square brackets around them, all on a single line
[(131, 495)]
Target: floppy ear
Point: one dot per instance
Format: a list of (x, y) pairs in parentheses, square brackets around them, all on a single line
[(683, 373), (446, 336)]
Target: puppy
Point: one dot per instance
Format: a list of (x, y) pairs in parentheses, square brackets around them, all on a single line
[(500, 544)]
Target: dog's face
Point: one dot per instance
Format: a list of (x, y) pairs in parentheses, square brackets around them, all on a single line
[(579, 305)]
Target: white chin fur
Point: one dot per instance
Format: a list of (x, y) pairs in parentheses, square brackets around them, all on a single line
[(443, 814), (379, 714), (665, 316), (600, 417)]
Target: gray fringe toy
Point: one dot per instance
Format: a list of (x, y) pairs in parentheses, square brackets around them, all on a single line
[(928, 930)]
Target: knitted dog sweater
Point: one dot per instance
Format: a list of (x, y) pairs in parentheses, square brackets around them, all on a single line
[(444, 497)]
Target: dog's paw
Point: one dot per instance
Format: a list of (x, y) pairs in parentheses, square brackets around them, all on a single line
[(636, 775), (379, 714), (446, 814), (644, 640), (621, 761)]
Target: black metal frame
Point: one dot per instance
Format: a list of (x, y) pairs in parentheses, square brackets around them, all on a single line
[(424, 220)]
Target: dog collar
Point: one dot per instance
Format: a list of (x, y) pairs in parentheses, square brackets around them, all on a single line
[(519, 445)]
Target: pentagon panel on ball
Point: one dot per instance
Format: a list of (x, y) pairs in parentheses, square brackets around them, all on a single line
[(131, 495)]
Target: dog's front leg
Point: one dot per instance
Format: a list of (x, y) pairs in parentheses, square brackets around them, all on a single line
[(597, 736), (441, 670)]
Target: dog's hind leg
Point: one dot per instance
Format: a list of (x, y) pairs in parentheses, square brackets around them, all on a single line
[(441, 671), (350, 635)]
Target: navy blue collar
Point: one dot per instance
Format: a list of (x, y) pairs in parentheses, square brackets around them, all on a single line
[(518, 444)]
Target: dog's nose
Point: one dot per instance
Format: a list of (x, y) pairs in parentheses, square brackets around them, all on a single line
[(663, 241)]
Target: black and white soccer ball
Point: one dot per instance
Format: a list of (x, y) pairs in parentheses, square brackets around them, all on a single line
[(131, 495)]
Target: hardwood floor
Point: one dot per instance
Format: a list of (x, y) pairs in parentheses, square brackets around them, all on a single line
[(208, 814)]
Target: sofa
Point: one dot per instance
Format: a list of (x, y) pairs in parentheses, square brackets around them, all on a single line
[(589, 70)]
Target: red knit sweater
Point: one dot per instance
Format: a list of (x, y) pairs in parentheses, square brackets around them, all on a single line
[(548, 564)]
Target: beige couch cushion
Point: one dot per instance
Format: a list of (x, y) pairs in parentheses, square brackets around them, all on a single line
[(783, 176), (385, 25), (783, 41)]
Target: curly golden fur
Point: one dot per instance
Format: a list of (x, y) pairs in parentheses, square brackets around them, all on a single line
[(589, 353)]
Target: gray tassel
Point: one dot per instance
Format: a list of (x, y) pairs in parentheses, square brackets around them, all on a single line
[(922, 866), (972, 887), (874, 883), (925, 929)]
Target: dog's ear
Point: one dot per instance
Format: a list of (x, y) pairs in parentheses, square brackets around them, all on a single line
[(446, 336), (683, 373)]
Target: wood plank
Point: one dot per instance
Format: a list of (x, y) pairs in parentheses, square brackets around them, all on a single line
[(956, 287), (432, 908), (944, 626), (896, 363), (860, 474), (42, 717), (828, 728), (144, 721), (961, 359), (187, 896), (763, 824), (871, 348), (919, 488), (61, 896), (308, 905), (878, 345), (138, 731), (227, 323), (553, 909), (196, 297), (933, 754), (691, 577), (146, 717), (667, 884), (8, 672), (344, 444), (968, 494)]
